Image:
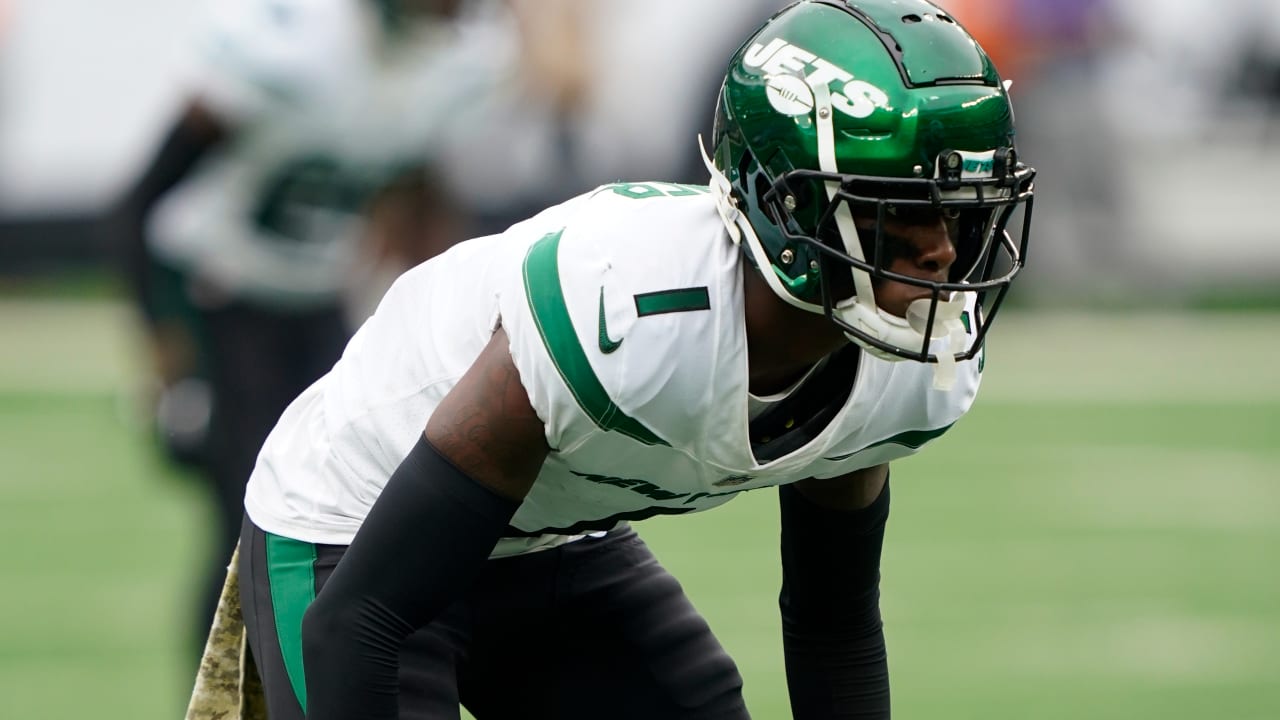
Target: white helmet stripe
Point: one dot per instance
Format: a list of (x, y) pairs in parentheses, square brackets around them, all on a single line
[(864, 294)]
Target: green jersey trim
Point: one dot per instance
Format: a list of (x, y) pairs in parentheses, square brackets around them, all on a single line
[(551, 315), (291, 575), (914, 439)]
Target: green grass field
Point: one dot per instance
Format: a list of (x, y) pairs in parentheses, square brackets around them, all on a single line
[(1100, 538)]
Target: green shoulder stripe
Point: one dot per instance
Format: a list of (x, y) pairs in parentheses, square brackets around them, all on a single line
[(551, 315)]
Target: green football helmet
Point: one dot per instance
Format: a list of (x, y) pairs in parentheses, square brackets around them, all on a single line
[(837, 109)]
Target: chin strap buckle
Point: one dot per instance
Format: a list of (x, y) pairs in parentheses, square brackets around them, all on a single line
[(947, 323)]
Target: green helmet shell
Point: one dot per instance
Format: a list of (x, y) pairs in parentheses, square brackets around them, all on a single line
[(907, 84)]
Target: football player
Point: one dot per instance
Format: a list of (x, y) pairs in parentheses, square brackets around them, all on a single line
[(242, 232), (444, 516)]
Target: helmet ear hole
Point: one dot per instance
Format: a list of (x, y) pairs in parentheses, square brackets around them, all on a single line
[(744, 165), (760, 186)]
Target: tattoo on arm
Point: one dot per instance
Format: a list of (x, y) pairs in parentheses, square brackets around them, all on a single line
[(486, 426)]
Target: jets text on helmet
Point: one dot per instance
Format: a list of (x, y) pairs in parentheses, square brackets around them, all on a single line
[(855, 98)]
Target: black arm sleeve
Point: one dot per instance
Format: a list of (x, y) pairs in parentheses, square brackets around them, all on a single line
[(426, 537), (833, 639), (186, 142)]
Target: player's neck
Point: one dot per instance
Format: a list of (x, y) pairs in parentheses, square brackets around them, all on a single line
[(782, 341)]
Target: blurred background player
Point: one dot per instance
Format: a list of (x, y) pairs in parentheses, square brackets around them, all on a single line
[(292, 185)]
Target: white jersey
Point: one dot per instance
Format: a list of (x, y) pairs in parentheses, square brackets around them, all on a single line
[(324, 111), (624, 312)]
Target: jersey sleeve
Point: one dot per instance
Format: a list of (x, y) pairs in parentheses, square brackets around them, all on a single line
[(252, 56), (544, 344), (608, 333)]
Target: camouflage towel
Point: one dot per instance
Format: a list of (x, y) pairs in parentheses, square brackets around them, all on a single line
[(227, 685)]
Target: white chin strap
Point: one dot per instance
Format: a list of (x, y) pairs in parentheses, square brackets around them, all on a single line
[(909, 333)]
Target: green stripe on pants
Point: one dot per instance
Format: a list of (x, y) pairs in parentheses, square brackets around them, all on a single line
[(291, 574)]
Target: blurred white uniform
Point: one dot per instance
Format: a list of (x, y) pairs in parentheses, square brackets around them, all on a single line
[(637, 365), (323, 110)]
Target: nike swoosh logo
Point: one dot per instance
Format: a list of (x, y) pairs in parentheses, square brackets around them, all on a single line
[(607, 346)]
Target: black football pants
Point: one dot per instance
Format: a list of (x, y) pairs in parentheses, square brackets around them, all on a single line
[(592, 629)]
